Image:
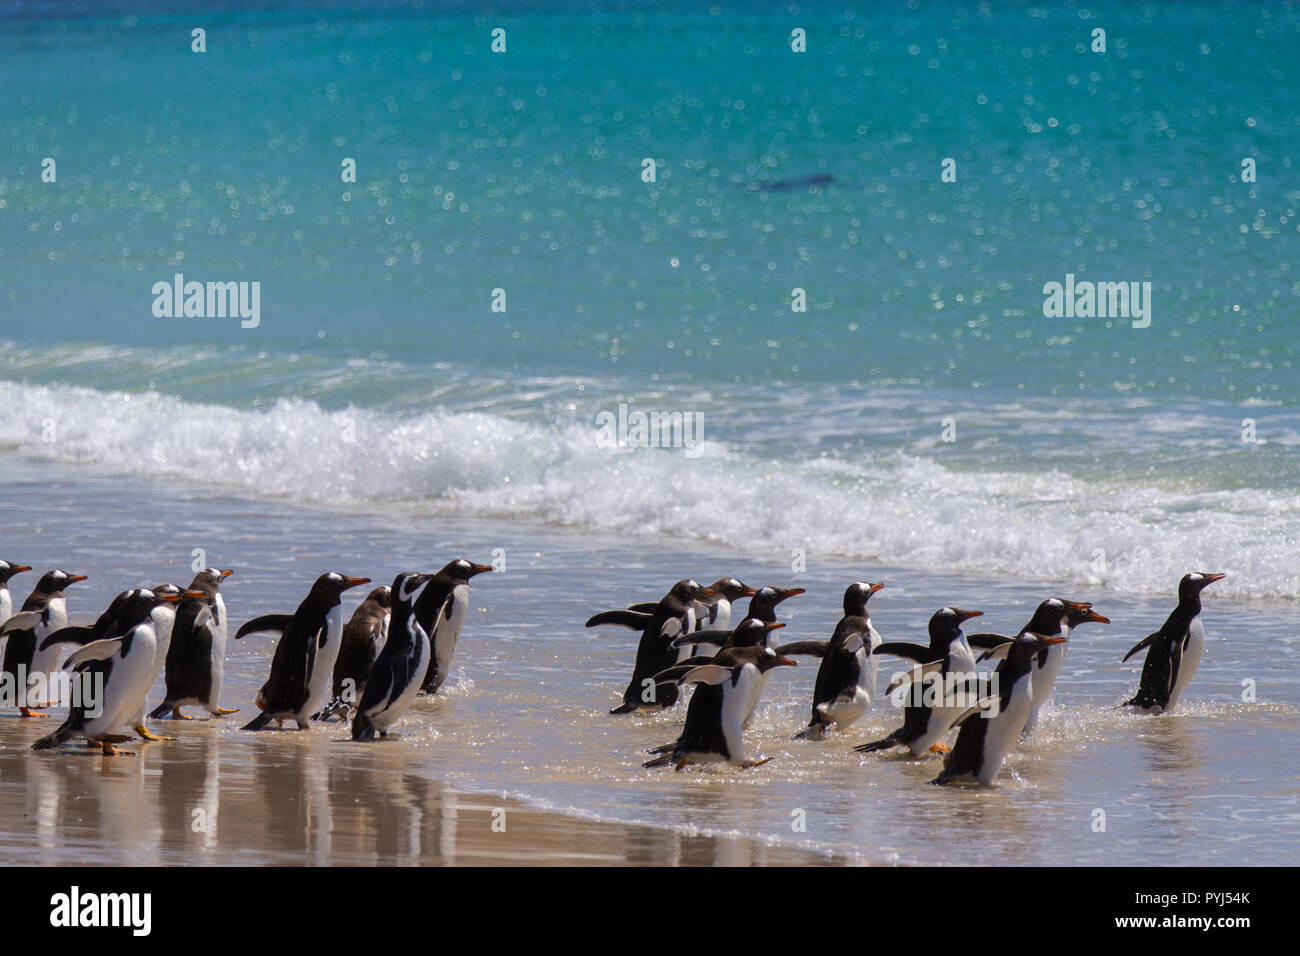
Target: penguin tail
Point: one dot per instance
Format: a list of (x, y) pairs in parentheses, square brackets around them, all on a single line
[(363, 728), (625, 708), (159, 712), (56, 739), (258, 722), (663, 760), (876, 745)]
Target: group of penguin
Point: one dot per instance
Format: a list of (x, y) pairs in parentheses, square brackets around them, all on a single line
[(687, 638), (398, 644)]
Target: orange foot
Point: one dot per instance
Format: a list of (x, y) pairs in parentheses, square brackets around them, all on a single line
[(26, 712), (754, 763), (177, 715), (223, 711), (111, 751), (940, 749)]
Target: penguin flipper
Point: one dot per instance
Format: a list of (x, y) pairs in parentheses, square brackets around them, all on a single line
[(810, 648), (645, 607), (712, 637), (987, 641), (625, 708), (1145, 642), (914, 652), (883, 743), (916, 674), (267, 622), (22, 621), (666, 759), (69, 635), (675, 674), (707, 674), (94, 651), (636, 620)]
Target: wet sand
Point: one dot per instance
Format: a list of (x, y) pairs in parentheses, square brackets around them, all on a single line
[(310, 798)]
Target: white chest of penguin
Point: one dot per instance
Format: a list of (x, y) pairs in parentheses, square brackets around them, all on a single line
[(448, 634)]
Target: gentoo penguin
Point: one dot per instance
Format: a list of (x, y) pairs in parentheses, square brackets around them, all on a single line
[(715, 610), (717, 735), (395, 679), (197, 656), (1175, 649), (442, 608), (124, 662), (991, 727), (164, 618), (948, 654), (304, 657), (674, 615), (1052, 618), (44, 612), (7, 570), (363, 637), (846, 679)]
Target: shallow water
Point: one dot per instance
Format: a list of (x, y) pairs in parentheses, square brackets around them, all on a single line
[(524, 713)]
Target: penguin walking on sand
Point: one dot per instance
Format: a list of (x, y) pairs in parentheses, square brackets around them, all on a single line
[(846, 679), (716, 735), (443, 606), (991, 727), (196, 657), (7, 570), (124, 664), (395, 679), (363, 638), (44, 612), (1052, 618), (1174, 652), (304, 657), (945, 663), (672, 617)]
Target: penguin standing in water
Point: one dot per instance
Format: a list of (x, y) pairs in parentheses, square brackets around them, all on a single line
[(846, 679), (991, 727), (1052, 618), (304, 657), (44, 612), (1175, 650), (124, 663), (7, 570), (395, 679), (196, 658), (363, 638), (443, 607), (716, 735), (948, 654), (672, 617)]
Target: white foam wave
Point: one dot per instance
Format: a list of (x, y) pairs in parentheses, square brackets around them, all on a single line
[(903, 509)]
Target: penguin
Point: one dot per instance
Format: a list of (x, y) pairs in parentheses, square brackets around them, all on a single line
[(846, 679), (1051, 618), (305, 655), (717, 735), (7, 570), (196, 658), (990, 728), (1175, 650), (44, 612), (762, 607), (673, 616), (444, 605), (123, 663), (395, 679), (363, 638), (949, 659), (715, 610)]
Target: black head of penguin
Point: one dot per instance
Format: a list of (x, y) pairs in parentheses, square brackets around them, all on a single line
[(770, 659), (945, 627), (1021, 654), (763, 604), (461, 570), (382, 595), (1081, 614), (1191, 586), (856, 596), (8, 569), (751, 632), (405, 590), (730, 589), (331, 584), (686, 591), (53, 582), (209, 580), (1048, 617)]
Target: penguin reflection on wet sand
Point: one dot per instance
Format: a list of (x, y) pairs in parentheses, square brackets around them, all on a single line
[(304, 657), (124, 662), (197, 655), (947, 654), (44, 612), (991, 726), (715, 734), (1174, 652)]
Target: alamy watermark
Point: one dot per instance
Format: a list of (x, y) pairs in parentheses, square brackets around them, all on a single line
[(655, 429), (1102, 300), (83, 690), (208, 300)]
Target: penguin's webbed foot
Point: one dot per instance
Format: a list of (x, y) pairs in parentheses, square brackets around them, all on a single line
[(224, 711), (111, 751), (177, 715), (146, 734), (940, 748), (754, 763), (26, 713)]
